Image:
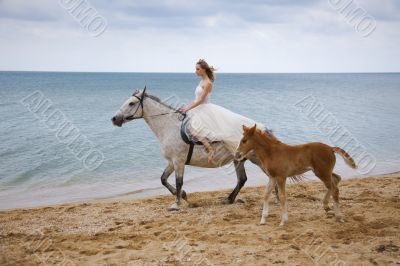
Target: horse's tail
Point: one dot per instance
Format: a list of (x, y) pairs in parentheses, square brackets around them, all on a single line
[(347, 158)]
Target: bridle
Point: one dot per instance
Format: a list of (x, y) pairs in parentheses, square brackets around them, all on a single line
[(132, 117)]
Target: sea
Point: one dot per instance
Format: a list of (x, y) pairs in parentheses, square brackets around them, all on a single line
[(41, 165)]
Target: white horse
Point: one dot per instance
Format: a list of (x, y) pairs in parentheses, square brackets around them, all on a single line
[(164, 121)]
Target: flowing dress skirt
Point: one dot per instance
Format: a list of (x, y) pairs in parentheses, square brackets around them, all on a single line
[(217, 123)]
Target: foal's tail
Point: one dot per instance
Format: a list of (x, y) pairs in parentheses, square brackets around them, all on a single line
[(347, 158)]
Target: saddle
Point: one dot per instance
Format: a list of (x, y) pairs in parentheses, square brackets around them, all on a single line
[(190, 139)]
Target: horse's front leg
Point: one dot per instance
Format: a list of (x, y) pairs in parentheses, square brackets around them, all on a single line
[(179, 170), (164, 180)]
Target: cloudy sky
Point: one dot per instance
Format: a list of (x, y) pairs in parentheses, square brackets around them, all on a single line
[(170, 35)]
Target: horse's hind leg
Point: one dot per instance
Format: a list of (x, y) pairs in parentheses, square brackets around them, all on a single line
[(241, 180)]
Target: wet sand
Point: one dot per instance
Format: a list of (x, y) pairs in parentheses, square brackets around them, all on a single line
[(206, 232)]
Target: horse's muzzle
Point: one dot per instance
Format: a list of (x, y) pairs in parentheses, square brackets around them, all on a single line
[(238, 155), (117, 121)]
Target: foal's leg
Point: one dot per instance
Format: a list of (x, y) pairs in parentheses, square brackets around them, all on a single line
[(282, 197), (276, 187), (328, 185), (268, 190), (335, 180), (331, 182), (336, 207), (326, 178), (326, 200)]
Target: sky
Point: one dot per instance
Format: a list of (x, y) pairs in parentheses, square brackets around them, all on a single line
[(263, 36)]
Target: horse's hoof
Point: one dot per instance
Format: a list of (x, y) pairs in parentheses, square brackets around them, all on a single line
[(327, 209), (194, 205), (174, 207), (283, 223), (262, 222), (227, 201), (184, 196)]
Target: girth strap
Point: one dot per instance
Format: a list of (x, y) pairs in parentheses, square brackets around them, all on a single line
[(190, 153)]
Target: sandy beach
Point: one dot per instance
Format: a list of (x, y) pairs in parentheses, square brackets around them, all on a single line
[(206, 232)]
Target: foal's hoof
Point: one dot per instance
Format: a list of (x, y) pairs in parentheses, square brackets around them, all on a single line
[(339, 219), (283, 223), (174, 207)]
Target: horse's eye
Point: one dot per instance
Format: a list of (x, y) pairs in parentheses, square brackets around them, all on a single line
[(244, 141), (131, 103)]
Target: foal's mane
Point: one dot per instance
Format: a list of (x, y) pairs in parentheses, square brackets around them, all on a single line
[(267, 135)]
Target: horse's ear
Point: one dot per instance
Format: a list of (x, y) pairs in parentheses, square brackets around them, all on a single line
[(245, 129), (144, 90), (253, 129), (134, 93)]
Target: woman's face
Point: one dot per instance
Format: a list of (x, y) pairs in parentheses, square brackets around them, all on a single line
[(200, 71)]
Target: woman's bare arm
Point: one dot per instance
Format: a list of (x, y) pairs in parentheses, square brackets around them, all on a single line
[(203, 96)]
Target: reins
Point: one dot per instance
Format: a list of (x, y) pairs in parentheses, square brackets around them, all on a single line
[(132, 117)]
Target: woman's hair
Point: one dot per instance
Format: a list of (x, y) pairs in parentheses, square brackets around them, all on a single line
[(209, 69)]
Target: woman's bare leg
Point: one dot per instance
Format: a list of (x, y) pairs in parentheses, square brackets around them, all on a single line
[(205, 142)]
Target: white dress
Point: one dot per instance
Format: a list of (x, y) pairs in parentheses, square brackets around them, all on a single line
[(217, 123)]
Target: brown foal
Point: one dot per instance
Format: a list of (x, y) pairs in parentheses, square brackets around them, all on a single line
[(280, 160)]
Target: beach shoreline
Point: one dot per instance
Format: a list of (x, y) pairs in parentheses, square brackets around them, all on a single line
[(194, 185), (142, 231)]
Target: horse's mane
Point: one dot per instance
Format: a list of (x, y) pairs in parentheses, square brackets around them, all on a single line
[(155, 98)]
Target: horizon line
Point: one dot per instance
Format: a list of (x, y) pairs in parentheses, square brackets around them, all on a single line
[(177, 72)]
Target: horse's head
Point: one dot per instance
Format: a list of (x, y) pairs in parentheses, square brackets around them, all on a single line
[(246, 143), (131, 109)]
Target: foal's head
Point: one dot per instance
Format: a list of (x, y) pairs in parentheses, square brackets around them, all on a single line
[(246, 143), (265, 138)]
